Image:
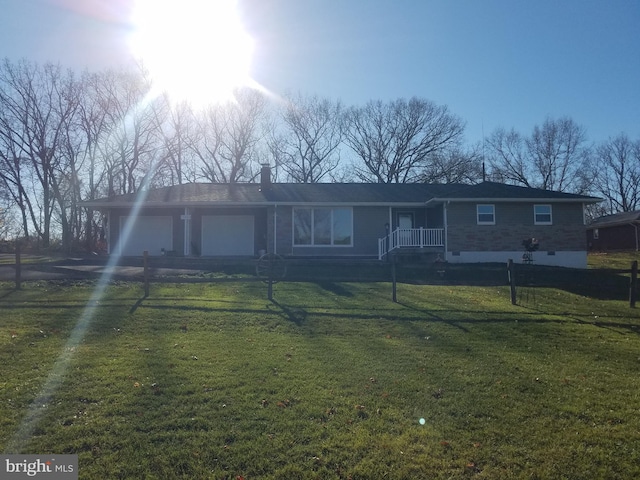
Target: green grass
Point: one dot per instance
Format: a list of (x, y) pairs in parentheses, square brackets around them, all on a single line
[(615, 260), (330, 381), (26, 259)]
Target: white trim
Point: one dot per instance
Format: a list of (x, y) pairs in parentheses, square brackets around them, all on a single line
[(493, 207), (570, 259), (513, 200), (446, 226), (535, 214), (108, 232), (275, 229), (186, 218), (99, 205), (313, 245)]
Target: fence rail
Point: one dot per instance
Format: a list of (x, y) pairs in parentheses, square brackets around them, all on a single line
[(410, 237)]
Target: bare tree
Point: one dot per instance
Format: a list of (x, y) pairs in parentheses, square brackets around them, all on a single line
[(228, 138), (38, 104), (554, 157), (9, 224), (395, 141), (307, 147), (13, 176), (509, 159), (176, 127), (558, 153), (93, 125), (130, 148), (454, 165), (616, 174)]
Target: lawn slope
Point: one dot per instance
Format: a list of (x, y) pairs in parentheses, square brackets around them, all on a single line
[(331, 380)]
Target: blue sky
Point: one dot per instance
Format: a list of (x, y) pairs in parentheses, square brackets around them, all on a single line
[(495, 63)]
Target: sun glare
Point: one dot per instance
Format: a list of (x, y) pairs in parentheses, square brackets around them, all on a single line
[(194, 50)]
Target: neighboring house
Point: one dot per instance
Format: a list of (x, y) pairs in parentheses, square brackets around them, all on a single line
[(615, 232), (487, 222)]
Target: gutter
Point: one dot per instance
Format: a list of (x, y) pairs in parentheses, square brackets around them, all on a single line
[(510, 200), (98, 205)]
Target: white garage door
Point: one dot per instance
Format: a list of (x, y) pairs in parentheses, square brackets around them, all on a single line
[(147, 233), (227, 235)]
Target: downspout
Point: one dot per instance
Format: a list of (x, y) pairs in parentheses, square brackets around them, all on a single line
[(275, 229), (108, 232), (635, 226), (446, 231), (390, 232), (187, 231)]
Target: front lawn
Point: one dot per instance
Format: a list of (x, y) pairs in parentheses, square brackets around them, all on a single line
[(332, 380)]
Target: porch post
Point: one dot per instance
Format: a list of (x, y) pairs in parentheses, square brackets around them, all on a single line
[(107, 232), (275, 229), (187, 231), (387, 240), (446, 229)]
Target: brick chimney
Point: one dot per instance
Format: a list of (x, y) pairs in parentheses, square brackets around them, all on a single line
[(265, 176)]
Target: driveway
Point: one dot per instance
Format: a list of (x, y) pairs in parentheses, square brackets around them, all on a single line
[(40, 268)]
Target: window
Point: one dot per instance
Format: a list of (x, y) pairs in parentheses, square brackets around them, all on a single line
[(302, 226), (596, 234), (322, 226), (542, 214), (486, 214)]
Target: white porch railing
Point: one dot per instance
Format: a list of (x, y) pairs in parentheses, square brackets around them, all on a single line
[(410, 237)]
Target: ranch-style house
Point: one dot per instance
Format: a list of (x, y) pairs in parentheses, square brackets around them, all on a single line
[(487, 222)]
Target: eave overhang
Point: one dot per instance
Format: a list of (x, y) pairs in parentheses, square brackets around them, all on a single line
[(512, 200)]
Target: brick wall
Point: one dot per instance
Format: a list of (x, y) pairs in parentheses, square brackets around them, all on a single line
[(482, 238), (515, 223)]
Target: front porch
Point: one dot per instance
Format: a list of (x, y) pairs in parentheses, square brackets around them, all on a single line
[(413, 238)]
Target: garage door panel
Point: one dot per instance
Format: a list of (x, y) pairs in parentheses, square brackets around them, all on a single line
[(150, 233), (227, 235)]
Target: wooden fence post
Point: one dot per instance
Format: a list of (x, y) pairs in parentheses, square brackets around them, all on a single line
[(145, 257), (18, 266), (633, 284), (394, 279), (512, 280)]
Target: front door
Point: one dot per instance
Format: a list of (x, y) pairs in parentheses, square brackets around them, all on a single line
[(405, 224), (405, 220)]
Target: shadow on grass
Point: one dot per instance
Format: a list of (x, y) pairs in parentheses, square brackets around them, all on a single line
[(434, 317), (9, 292), (629, 327), (293, 314), (335, 288), (135, 306), (596, 284), (299, 315)]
